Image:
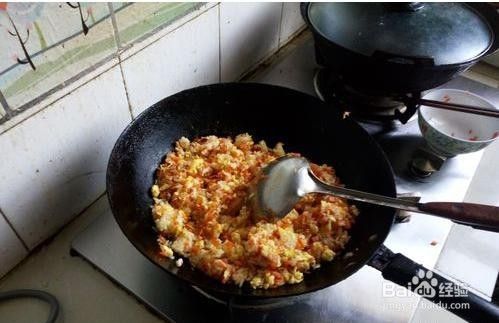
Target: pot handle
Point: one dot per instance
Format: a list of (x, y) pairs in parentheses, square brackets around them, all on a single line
[(403, 271), (403, 59)]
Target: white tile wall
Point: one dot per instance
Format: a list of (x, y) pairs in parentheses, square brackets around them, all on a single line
[(51, 98), (493, 59), (178, 23), (291, 21), (11, 249), (249, 32), (187, 57), (56, 160), (472, 260), (481, 185)]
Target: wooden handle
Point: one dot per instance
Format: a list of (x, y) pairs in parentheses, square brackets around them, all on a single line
[(481, 216)]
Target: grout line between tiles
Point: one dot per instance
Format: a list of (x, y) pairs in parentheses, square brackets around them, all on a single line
[(54, 45), (61, 86), (50, 238), (67, 82), (130, 110), (70, 221), (280, 27), (14, 230), (115, 26), (62, 41), (157, 30), (128, 46), (272, 56), (118, 54), (295, 34), (219, 45), (5, 105)]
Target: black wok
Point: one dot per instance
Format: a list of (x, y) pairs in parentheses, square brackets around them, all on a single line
[(304, 124)]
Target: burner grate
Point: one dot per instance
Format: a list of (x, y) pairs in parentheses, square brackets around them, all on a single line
[(363, 105)]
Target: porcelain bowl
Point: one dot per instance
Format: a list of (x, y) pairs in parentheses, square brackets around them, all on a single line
[(451, 133)]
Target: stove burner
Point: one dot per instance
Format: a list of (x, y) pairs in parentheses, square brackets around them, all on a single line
[(363, 105), (425, 162)]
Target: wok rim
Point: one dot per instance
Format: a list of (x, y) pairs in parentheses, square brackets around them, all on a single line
[(211, 287)]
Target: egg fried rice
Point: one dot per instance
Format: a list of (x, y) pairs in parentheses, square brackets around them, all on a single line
[(201, 212)]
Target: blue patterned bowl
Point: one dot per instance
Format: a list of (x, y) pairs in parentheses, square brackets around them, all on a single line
[(451, 133)]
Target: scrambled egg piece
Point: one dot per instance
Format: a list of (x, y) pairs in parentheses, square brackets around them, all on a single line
[(201, 212)]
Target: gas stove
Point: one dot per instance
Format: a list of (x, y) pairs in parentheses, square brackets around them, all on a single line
[(360, 103), (356, 299)]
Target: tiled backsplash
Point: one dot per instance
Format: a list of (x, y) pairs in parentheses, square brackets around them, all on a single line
[(47, 45), (183, 58), (248, 33), (69, 88)]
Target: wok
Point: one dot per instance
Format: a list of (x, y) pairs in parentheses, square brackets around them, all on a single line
[(304, 124)]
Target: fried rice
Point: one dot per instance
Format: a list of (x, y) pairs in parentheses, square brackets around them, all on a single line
[(202, 213)]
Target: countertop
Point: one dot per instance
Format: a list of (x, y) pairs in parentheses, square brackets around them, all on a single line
[(87, 295)]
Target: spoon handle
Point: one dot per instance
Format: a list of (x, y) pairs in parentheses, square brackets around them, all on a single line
[(477, 215), (485, 217)]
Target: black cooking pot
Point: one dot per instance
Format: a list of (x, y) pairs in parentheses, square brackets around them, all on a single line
[(391, 48)]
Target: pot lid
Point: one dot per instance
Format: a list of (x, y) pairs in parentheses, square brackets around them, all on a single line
[(448, 33)]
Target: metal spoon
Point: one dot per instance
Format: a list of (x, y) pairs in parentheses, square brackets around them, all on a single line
[(287, 179)]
